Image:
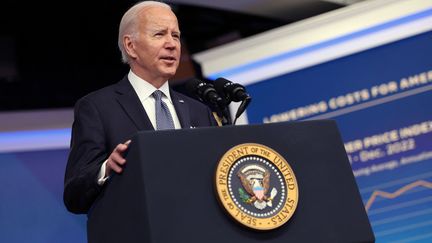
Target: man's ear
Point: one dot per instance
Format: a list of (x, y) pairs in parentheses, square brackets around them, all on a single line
[(129, 46)]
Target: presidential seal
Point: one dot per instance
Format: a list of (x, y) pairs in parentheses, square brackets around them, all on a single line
[(256, 186)]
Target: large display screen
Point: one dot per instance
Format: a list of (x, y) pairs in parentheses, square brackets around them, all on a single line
[(381, 100)]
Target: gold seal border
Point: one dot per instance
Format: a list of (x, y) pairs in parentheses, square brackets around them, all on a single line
[(249, 149)]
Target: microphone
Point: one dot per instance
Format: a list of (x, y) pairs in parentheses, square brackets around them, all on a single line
[(232, 91), (205, 92)]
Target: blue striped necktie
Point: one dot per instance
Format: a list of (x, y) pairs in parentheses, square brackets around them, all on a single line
[(163, 116)]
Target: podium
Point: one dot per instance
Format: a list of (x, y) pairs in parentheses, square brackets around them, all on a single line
[(166, 192)]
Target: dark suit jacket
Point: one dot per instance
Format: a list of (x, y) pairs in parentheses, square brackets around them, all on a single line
[(105, 118)]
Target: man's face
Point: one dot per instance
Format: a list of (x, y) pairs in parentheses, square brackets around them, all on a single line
[(156, 48)]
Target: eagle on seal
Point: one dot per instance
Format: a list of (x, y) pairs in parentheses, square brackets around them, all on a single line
[(255, 180)]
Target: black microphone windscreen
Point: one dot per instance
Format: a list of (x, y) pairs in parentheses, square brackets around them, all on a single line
[(192, 86), (220, 83)]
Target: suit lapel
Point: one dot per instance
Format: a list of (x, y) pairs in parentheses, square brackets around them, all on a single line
[(131, 104), (182, 109)]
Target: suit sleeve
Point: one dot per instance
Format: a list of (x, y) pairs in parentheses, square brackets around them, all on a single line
[(87, 153)]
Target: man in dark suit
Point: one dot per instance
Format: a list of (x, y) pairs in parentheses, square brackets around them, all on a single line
[(106, 120)]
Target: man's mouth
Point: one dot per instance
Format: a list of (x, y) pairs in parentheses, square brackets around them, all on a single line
[(168, 58)]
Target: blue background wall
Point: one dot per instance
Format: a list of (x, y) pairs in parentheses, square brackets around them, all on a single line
[(31, 199)]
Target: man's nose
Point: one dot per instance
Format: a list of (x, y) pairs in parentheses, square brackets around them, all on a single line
[(170, 42)]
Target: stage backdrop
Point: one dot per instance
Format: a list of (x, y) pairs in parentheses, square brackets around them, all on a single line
[(376, 82), (31, 207), (367, 66), (32, 166)]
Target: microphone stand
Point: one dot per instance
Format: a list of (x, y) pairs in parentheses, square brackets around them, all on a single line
[(223, 112), (242, 108)]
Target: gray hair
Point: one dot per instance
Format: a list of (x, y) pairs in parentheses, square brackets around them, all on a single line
[(129, 23)]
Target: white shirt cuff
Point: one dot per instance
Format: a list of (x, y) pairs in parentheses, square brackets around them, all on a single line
[(101, 176)]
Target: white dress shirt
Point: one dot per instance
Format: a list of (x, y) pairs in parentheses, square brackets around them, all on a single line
[(144, 91)]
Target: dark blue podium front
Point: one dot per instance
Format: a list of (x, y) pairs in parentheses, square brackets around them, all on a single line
[(166, 192)]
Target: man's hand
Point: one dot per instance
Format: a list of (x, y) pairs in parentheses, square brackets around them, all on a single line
[(115, 161)]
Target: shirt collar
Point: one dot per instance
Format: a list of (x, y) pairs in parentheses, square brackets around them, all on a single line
[(144, 89)]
